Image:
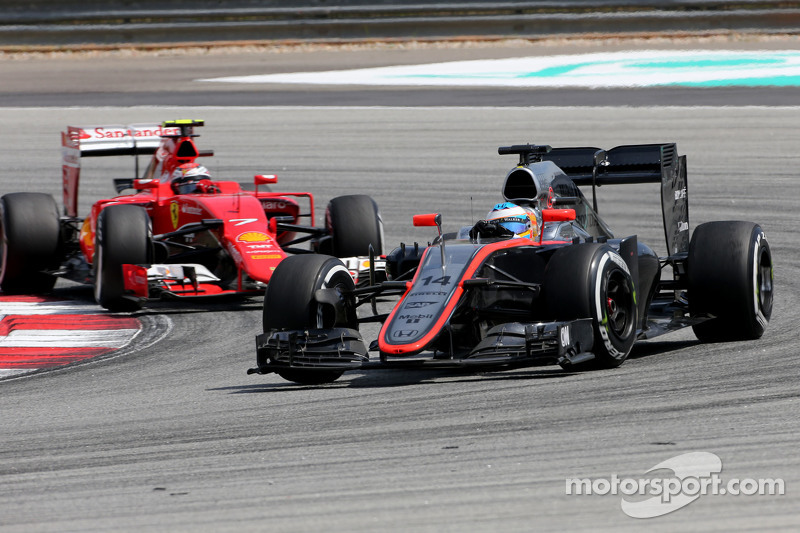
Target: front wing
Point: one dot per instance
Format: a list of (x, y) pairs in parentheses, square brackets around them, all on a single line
[(194, 280), (515, 343)]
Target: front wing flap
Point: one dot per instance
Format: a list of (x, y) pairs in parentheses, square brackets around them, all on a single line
[(340, 348), (567, 342)]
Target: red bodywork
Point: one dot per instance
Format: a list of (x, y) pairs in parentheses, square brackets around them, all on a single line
[(244, 234)]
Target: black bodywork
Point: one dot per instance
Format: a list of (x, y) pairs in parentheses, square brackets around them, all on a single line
[(498, 305)]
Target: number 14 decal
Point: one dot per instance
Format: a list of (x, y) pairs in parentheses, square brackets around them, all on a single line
[(443, 280)]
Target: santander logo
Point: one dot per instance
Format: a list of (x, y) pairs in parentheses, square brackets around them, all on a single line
[(111, 132)]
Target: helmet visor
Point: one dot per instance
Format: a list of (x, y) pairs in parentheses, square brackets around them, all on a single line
[(187, 187), (515, 225)]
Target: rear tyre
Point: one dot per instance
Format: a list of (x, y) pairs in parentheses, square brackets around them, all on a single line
[(354, 223), (123, 236), (593, 281), (31, 241), (730, 277), (289, 304)]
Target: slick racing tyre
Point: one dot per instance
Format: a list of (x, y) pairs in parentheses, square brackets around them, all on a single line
[(730, 277), (123, 236), (354, 224), (289, 304), (31, 241), (593, 281)]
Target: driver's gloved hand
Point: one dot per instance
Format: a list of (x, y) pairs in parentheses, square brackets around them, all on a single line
[(488, 230)]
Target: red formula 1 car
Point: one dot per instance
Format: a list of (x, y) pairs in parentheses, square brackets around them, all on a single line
[(559, 289), (179, 233)]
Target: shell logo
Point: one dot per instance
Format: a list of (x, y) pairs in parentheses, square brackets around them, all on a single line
[(252, 236)]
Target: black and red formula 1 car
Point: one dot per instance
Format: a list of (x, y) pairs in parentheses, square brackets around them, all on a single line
[(179, 234), (568, 293)]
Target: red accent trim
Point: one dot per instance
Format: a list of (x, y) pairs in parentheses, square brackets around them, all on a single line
[(546, 243), (420, 345)]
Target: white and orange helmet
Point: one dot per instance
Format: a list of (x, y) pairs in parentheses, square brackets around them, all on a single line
[(512, 217)]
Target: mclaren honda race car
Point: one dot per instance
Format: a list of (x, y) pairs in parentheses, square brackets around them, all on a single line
[(178, 233), (568, 292)]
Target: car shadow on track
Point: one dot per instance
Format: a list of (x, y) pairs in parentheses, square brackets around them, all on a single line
[(387, 378), (648, 348), (183, 308)]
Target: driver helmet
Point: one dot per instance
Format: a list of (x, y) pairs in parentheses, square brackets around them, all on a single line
[(512, 217), (185, 178)]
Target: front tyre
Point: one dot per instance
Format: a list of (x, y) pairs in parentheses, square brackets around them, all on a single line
[(289, 304), (593, 281), (123, 236), (730, 277), (31, 239), (354, 223)]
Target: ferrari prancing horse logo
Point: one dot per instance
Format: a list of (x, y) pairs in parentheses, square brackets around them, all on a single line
[(174, 211)]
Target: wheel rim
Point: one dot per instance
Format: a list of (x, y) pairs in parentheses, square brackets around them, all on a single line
[(325, 318), (337, 278), (619, 305)]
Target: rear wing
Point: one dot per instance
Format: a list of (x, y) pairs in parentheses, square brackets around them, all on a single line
[(107, 140), (629, 164), (638, 163)]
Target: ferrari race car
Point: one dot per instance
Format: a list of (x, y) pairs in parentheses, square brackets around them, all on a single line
[(179, 233), (570, 293)]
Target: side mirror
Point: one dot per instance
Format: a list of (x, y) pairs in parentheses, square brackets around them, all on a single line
[(140, 184), (558, 215), (265, 179), (430, 219)]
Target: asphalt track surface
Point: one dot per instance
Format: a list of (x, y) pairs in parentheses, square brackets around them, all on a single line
[(176, 437)]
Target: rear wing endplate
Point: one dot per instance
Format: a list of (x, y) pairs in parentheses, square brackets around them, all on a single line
[(639, 163), (107, 140)]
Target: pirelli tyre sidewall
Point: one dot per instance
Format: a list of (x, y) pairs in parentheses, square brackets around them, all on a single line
[(592, 281), (123, 236), (31, 242), (730, 277)]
